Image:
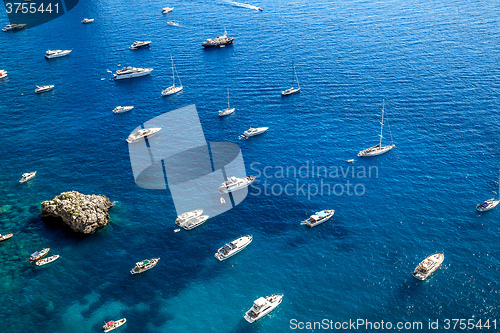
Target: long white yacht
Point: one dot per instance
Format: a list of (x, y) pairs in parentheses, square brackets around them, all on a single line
[(10, 27), (142, 133), (318, 218), (87, 21), (42, 89), (173, 89), (121, 109), (490, 203), (167, 10), (428, 266), (193, 222), (27, 176), (378, 149), (262, 306), (3, 74), (254, 131), (131, 72), (233, 184), (56, 53), (228, 110), (231, 248), (138, 45), (188, 215)]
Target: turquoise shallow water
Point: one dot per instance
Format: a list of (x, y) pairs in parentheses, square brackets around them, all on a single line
[(435, 64)]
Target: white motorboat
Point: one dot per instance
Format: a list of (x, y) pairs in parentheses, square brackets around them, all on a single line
[(121, 109), (5, 237), (428, 266), (233, 184), (56, 53), (193, 222), (47, 260), (131, 72), (86, 21), (262, 306), (144, 265), (11, 27), (42, 89), (490, 203), (229, 110), (378, 149), (254, 131), (167, 10), (173, 23), (292, 90), (188, 215), (231, 248), (27, 176), (173, 89), (3, 74), (318, 218), (139, 45), (142, 133), (111, 325)]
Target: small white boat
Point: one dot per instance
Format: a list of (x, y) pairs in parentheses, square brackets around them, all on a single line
[(86, 21), (3, 74), (47, 260), (350, 161), (318, 218), (193, 222), (121, 109), (188, 215), (142, 133), (27, 176), (11, 27), (233, 184), (253, 132), (5, 237), (231, 248), (173, 89), (262, 306), (378, 149), (144, 265), (111, 325), (39, 254), (173, 23), (428, 266), (490, 203), (229, 110), (56, 53), (42, 89), (292, 90), (167, 10), (139, 45)]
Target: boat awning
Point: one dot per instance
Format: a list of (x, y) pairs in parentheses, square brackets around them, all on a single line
[(34, 254), (322, 214), (110, 323), (484, 204), (259, 302)]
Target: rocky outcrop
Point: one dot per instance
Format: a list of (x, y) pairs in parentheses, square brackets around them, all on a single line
[(82, 213)]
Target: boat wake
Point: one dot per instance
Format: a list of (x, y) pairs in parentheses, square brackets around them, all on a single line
[(244, 5)]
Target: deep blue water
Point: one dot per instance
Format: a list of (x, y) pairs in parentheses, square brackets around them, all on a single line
[(435, 63)]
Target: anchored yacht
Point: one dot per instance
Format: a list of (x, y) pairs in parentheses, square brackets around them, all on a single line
[(86, 21), (111, 325), (3, 73), (378, 149), (231, 248), (188, 215), (42, 89), (131, 72), (138, 45), (167, 10), (142, 133), (490, 203), (233, 184), (39, 254), (318, 218), (219, 41), (5, 237), (262, 306), (228, 110), (56, 53), (428, 266), (10, 27), (254, 131), (121, 109), (27, 176), (144, 265), (193, 222), (173, 89), (47, 260), (293, 89)]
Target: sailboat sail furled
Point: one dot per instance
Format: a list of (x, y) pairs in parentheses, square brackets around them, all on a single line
[(292, 90), (227, 111), (379, 149), (173, 89)]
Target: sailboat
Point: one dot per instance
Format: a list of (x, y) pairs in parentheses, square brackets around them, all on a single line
[(292, 90), (491, 203), (229, 110), (378, 149), (173, 89)]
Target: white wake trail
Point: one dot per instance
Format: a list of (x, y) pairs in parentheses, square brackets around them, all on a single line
[(244, 5)]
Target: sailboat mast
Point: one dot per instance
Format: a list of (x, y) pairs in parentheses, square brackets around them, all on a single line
[(228, 98), (382, 124), (293, 73), (173, 77)]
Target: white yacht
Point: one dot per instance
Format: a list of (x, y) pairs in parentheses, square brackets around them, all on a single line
[(167, 10), (56, 53), (27, 176), (193, 222), (378, 149), (10, 27), (121, 109), (86, 21), (292, 90), (490, 203), (142, 133), (173, 89), (318, 218), (131, 72), (173, 23), (3, 74), (144, 265), (262, 306), (428, 266), (229, 110), (188, 215), (111, 325), (42, 89), (47, 260), (231, 248), (233, 184), (254, 131), (138, 45)]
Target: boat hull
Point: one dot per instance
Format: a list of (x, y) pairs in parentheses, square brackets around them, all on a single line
[(226, 112), (372, 151), (117, 324), (312, 225), (492, 204), (246, 240), (125, 109), (133, 75), (171, 90), (51, 56), (199, 221), (5, 237), (264, 313), (133, 271), (437, 258), (290, 91), (210, 45)]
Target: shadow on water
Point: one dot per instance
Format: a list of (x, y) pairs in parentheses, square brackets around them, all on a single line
[(407, 290)]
